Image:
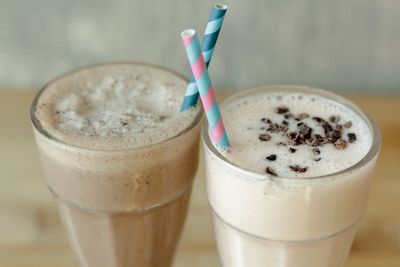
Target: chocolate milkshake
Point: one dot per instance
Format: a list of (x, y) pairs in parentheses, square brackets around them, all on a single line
[(119, 158), (293, 187)]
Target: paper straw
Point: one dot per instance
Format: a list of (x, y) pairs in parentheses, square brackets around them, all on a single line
[(207, 46), (206, 90)]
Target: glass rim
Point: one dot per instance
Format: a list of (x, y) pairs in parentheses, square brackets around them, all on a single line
[(369, 156), (38, 127)]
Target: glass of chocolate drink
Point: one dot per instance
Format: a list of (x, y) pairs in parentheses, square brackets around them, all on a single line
[(120, 159)]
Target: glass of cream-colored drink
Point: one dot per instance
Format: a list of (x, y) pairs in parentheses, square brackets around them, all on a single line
[(294, 184), (120, 159)]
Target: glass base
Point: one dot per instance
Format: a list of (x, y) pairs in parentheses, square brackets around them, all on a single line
[(125, 239), (239, 249)]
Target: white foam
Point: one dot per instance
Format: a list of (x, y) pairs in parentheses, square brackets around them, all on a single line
[(242, 120), (113, 107)]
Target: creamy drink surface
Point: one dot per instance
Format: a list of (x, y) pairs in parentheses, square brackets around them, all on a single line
[(120, 159), (285, 193), (259, 129), (115, 108)]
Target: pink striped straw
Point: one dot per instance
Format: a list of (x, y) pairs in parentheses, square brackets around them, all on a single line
[(206, 90)]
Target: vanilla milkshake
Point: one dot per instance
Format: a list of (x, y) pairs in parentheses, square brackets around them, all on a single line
[(294, 184), (119, 158)]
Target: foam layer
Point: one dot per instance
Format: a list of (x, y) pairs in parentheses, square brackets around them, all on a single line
[(115, 106), (245, 120)]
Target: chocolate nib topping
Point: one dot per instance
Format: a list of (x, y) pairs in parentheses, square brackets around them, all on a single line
[(301, 133), (341, 144), (327, 127), (292, 135), (339, 127), (319, 139), (266, 120), (264, 137), (270, 171), (334, 119), (282, 110), (289, 116), (333, 136), (303, 116), (316, 151), (283, 127), (305, 131), (352, 137), (316, 140), (297, 168), (318, 119), (348, 124)]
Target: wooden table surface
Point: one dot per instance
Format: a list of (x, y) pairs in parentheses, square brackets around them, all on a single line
[(31, 233)]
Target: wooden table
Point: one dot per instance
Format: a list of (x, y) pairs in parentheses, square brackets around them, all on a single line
[(31, 233)]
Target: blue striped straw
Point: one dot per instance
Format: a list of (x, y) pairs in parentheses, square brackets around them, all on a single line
[(207, 46)]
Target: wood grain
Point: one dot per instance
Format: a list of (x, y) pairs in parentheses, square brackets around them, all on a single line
[(31, 233)]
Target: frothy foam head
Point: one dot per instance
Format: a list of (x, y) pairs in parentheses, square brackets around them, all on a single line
[(115, 106), (293, 134)]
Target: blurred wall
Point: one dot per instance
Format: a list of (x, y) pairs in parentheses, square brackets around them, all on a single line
[(339, 45)]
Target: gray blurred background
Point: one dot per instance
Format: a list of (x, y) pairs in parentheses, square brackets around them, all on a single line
[(342, 45)]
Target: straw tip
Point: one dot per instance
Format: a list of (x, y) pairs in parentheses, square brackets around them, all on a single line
[(188, 33), (220, 6)]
